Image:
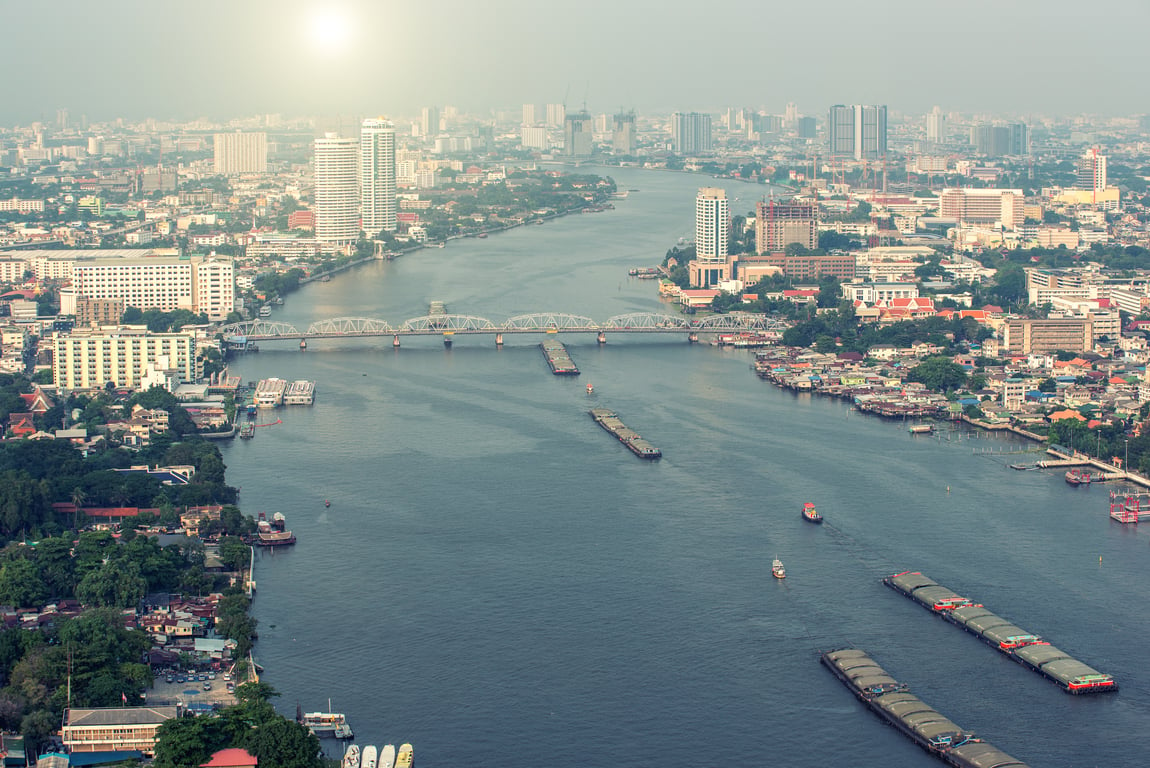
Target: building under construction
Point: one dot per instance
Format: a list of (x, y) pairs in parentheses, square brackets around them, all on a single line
[(779, 224)]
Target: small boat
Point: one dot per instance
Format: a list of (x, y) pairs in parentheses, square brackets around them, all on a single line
[(405, 757), (777, 569), (590, 389), (369, 756), (279, 522), (247, 430), (810, 514), (387, 756), (1078, 476), (482, 234), (326, 503), (303, 343), (351, 757)]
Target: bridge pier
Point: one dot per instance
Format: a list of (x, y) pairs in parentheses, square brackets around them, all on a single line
[(693, 337), (499, 339), (601, 338), (395, 341)]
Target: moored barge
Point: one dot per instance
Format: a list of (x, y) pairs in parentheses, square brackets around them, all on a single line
[(894, 703), (611, 422), (1026, 648), (558, 360)]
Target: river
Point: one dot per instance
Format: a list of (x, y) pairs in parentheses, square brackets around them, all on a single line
[(500, 583)]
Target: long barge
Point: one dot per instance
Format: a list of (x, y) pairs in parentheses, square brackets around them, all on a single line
[(610, 421), (557, 358), (894, 703), (1026, 648)]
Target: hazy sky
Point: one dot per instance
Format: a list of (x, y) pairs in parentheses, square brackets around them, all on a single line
[(222, 58)]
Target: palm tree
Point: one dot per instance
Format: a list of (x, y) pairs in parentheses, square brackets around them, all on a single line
[(78, 499)]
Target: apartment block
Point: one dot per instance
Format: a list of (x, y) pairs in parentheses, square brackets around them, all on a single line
[(90, 358), (1069, 334)]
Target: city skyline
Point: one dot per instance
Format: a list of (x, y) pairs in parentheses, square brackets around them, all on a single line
[(307, 57)]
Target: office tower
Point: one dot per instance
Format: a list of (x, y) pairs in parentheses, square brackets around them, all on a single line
[(777, 225), (1011, 139), (577, 134), (691, 133), (556, 113), (62, 119), (487, 138), (528, 114), (791, 115), (807, 127), (936, 126), (377, 176), (623, 135), (1092, 171), (240, 153), (712, 220), (857, 131), (336, 190), (429, 121)]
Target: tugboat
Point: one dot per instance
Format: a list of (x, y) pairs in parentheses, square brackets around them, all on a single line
[(777, 569), (810, 514)]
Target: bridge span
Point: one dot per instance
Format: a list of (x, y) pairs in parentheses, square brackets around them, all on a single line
[(541, 322)]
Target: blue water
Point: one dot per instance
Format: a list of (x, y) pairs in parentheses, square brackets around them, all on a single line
[(499, 582)]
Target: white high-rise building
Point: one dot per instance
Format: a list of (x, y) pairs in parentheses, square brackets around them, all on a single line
[(533, 137), (712, 218), (240, 153), (936, 126), (336, 190), (203, 286), (556, 114), (1092, 171), (377, 176), (90, 358), (528, 114)]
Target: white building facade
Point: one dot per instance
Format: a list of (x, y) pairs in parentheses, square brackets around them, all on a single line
[(89, 359), (377, 176), (336, 190)]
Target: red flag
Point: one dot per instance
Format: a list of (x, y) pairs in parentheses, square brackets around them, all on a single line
[(124, 697)]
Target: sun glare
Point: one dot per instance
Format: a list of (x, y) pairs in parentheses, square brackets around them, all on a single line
[(329, 30)]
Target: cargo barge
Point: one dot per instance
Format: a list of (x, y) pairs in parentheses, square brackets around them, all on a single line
[(557, 357), (894, 703), (611, 422), (1024, 647)]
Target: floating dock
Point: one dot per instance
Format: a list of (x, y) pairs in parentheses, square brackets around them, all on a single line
[(300, 393), (1027, 649), (894, 703), (269, 393), (611, 422), (557, 358)]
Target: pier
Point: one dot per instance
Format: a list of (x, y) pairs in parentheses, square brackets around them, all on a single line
[(1026, 648), (611, 422), (894, 703), (557, 358)]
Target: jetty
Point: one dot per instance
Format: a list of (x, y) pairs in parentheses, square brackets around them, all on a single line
[(894, 703), (1026, 648), (611, 422), (559, 361)]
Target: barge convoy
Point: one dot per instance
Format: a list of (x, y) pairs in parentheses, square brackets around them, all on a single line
[(894, 703), (611, 422), (1027, 649), (557, 358)]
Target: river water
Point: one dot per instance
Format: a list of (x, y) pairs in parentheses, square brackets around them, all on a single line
[(499, 582)]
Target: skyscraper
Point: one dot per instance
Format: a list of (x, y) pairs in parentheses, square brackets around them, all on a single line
[(999, 140), (857, 131), (936, 126), (429, 122), (336, 190), (578, 135), (240, 153), (528, 114), (712, 220), (623, 134), (1092, 171), (691, 132), (777, 225), (377, 176), (556, 113)]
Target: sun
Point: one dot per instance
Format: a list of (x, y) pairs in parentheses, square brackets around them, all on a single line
[(329, 30)]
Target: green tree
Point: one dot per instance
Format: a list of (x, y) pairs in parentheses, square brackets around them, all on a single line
[(940, 374), (21, 584)]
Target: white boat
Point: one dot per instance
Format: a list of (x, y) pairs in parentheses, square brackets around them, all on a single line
[(351, 757), (777, 569), (369, 756), (387, 756), (405, 757)]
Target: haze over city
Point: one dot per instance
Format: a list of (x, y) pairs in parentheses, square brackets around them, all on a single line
[(220, 58)]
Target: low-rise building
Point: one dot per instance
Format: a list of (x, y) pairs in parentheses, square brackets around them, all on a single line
[(114, 729)]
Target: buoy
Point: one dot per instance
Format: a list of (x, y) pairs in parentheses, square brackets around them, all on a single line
[(948, 489)]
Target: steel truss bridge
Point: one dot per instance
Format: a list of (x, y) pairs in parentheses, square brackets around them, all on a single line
[(540, 322)]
